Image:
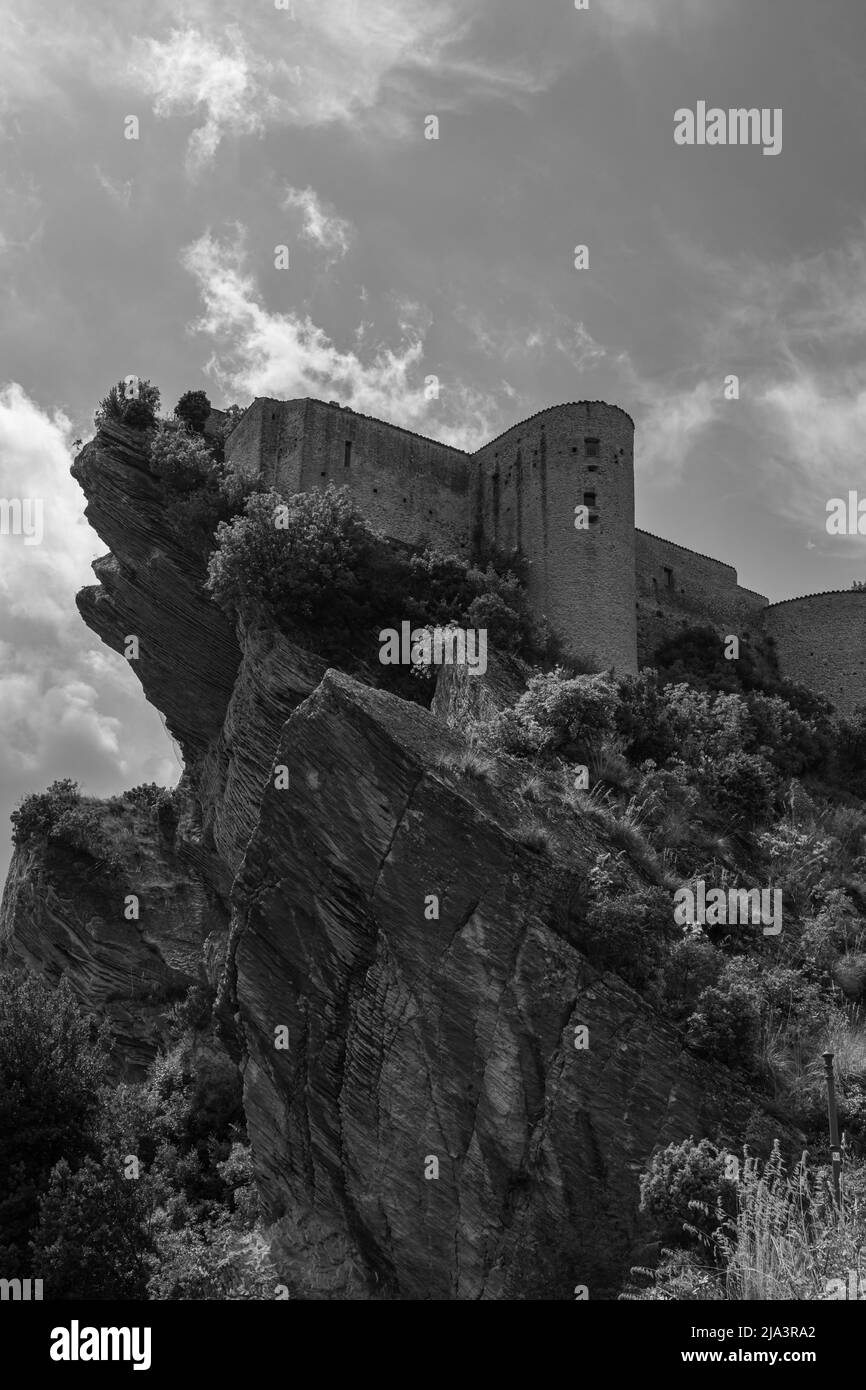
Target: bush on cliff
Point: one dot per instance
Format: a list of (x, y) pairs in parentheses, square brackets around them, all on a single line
[(313, 562), (40, 812), (198, 491), (304, 560), (193, 410), (61, 815), (182, 460), (131, 402), (557, 715)]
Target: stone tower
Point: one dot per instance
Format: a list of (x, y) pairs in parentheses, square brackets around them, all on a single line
[(517, 493), (526, 486)]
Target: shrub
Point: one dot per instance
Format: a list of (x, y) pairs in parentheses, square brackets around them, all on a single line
[(685, 1185), (792, 743), (726, 1025), (305, 569), (193, 410), (642, 719), (212, 1260), (90, 1239), (742, 789), (40, 812), (557, 714), (489, 612), (798, 859), (147, 795), (705, 724), (692, 966), (135, 405), (628, 933), (183, 461), (679, 1276)]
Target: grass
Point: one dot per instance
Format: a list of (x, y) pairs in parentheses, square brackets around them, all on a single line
[(535, 837), (788, 1240), (469, 762)]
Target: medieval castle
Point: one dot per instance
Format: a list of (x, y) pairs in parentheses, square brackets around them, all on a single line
[(612, 592)]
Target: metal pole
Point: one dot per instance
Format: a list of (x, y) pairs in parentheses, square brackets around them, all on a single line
[(835, 1151)]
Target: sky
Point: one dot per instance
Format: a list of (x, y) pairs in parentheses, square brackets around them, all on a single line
[(303, 123)]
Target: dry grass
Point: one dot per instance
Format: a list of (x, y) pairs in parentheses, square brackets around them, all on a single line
[(788, 1239)]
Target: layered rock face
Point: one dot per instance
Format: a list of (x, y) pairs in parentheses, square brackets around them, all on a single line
[(411, 1039), (400, 961), (65, 912)]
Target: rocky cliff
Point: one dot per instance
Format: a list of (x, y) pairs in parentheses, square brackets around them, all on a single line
[(397, 956)]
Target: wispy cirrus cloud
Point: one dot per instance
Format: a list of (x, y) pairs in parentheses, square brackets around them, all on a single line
[(259, 351), (320, 224)]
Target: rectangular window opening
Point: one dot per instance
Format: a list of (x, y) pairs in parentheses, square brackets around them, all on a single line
[(669, 577), (589, 499), (593, 448), (347, 456)]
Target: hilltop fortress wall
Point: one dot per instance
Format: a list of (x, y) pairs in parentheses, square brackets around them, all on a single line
[(679, 588), (611, 592), (527, 484), (821, 642)]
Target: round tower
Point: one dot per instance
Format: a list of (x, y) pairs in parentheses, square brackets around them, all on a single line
[(821, 643), (559, 488)]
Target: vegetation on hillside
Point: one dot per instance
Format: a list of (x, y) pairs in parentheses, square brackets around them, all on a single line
[(122, 1191), (700, 771)]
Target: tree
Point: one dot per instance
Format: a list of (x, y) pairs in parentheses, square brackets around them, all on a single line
[(193, 410), (131, 402), (51, 1068), (90, 1240)]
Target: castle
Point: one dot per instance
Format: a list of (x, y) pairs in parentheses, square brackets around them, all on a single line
[(612, 592)]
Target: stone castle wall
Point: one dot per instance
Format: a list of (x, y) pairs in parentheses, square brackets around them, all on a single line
[(611, 592), (526, 485), (678, 588), (821, 642), (411, 488)]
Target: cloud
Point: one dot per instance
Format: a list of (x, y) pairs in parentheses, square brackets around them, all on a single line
[(319, 65), (320, 223), (191, 73), (68, 706), (284, 354), (121, 194), (671, 423)]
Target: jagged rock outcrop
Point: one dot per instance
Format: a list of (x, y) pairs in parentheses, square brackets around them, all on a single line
[(411, 1037), (64, 913), (150, 586)]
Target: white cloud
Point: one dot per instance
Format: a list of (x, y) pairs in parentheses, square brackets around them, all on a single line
[(671, 424), (191, 73), (320, 223), (329, 64), (68, 707), (284, 354)]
